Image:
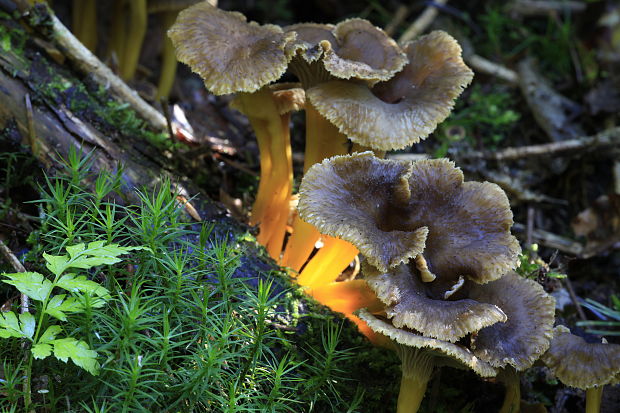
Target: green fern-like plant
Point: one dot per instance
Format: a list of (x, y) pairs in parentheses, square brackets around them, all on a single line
[(42, 330)]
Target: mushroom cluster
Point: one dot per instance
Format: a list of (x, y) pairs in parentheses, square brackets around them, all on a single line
[(358, 86), (439, 257)]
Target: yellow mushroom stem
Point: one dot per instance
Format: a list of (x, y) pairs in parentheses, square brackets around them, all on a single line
[(271, 207), (134, 38), (119, 27), (328, 263), (594, 395), (347, 297), (417, 366), (425, 274), (84, 22), (323, 140), (168, 58), (512, 397)]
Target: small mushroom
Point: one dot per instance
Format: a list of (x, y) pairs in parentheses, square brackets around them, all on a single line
[(419, 356), (234, 56), (404, 109), (583, 365), (230, 54), (84, 22), (168, 10)]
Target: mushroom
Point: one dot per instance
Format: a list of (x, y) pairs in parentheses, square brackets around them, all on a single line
[(439, 256), (84, 22), (419, 356), (398, 112), (128, 32), (168, 9), (583, 365), (233, 56), (406, 207), (353, 49)]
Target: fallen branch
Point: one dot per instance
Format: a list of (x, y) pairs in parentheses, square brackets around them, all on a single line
[(89, 64), (551, 240), (544, 7), (422, 22), (604, 139), (399, 17), (483, 65)]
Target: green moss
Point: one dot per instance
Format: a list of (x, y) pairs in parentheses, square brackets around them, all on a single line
[(12, 37)]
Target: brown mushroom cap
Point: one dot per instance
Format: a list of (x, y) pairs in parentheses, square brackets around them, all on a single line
[(441, 349), (524, 337), (331, 199), (354, 48), (230, 54), (408, 306), (579, 364), (406, 108), (393, 211)]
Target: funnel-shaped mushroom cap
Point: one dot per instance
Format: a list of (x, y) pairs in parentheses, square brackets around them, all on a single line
[(406, 108), (441, 349), (353, 48), (409, 306), (393, 211), (346, 196), (524, 337), (230, 54), (579, 364)]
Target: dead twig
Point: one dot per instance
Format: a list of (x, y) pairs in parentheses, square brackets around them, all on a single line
[(397, 19), (483, 65), (17, 266), (543, 7), (574, 299), (606, 138), (548, 239), (554, 113), (422, 22)]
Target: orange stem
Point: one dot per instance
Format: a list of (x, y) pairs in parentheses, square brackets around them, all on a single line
[(328, 262), (323, 140), (271, 207)]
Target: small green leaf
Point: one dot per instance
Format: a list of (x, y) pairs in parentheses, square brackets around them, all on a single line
[(57, 264), (74, 250), (33, 284), (50, 334), (27, 324), (74, 284), (58, 306), (9, 325), (41, 350), (78, 352), (97, 253)]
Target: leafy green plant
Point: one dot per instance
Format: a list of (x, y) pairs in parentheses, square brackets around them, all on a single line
[(532, 266), (173, 330), (42, 333), (482, 113)]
